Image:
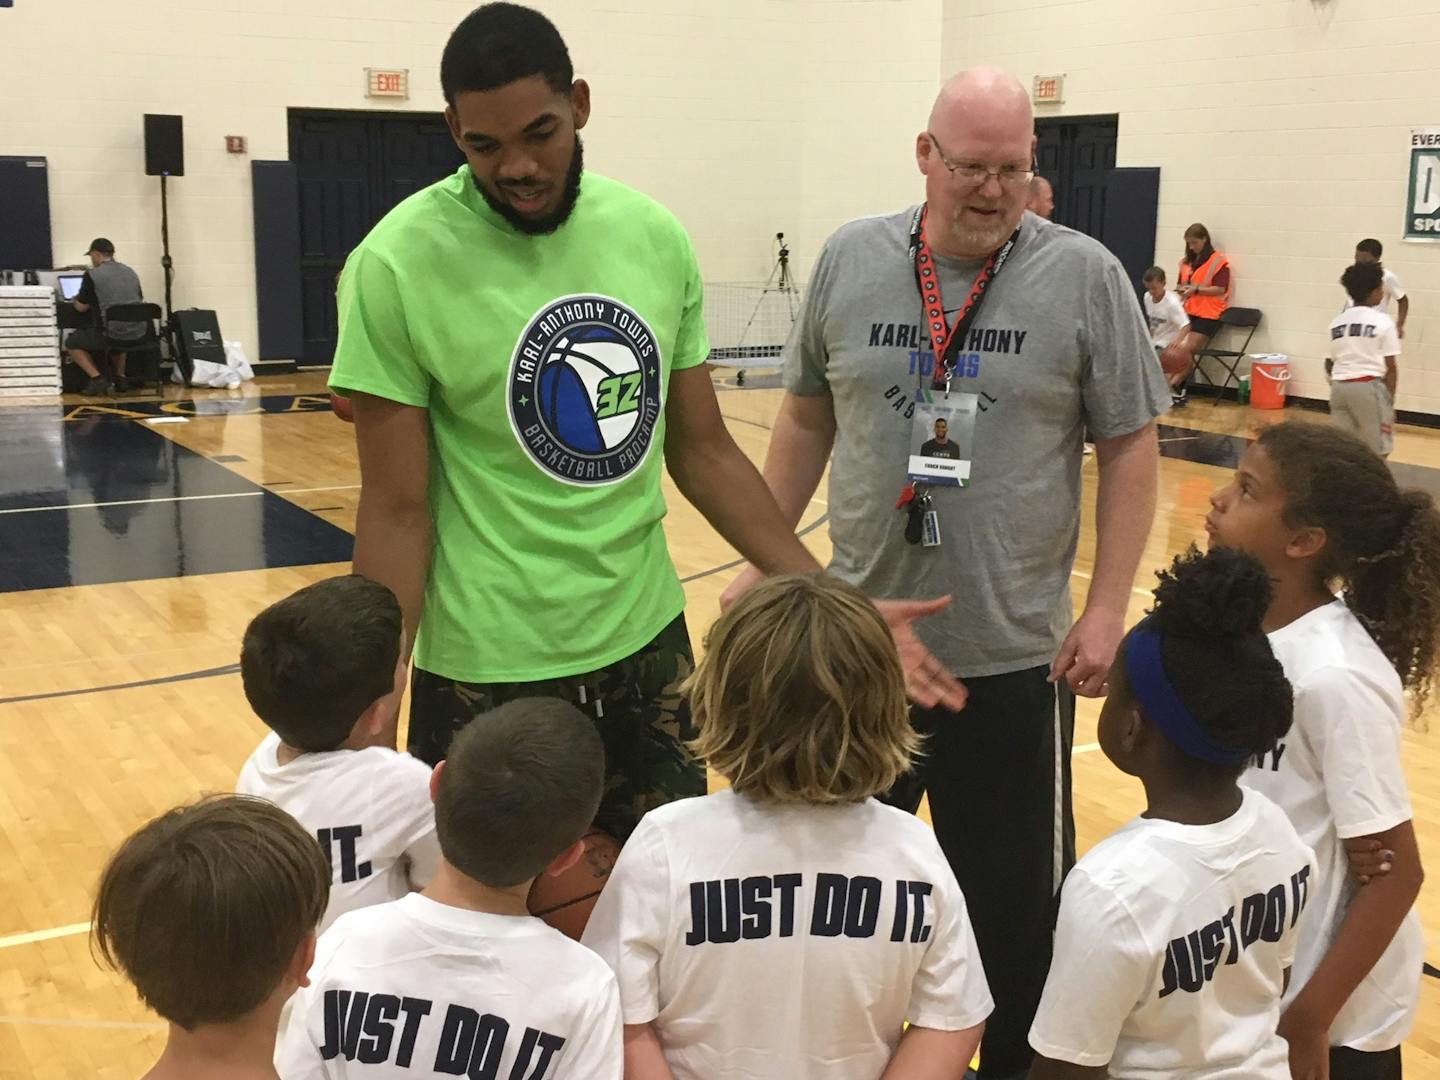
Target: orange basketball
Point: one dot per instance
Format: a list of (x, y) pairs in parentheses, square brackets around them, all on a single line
[(342, 408), (1176, 359), (566, 900)]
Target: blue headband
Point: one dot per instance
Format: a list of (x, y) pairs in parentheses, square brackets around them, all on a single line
[(1162, 704)]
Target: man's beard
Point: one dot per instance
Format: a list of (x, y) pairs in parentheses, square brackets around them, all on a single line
[(534, 226), (980, 240)]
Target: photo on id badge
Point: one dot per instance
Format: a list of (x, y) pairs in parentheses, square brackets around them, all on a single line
[(941, 436)]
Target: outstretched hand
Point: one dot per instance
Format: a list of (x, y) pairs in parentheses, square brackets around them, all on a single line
[(926, 680)]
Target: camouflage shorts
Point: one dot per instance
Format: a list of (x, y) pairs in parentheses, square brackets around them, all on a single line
[(642, 718)]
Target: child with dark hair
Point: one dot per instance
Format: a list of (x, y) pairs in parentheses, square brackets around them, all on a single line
[(1364, 345), (1370, 250), (210, 911), (1163, 311), (1175, 933), (323, 669), (461, 980), (1355, 619)]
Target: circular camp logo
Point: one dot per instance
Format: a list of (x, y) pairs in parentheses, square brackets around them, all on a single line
[(585, 390)]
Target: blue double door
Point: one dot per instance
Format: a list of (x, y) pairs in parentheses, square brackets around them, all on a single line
[(351, 168)]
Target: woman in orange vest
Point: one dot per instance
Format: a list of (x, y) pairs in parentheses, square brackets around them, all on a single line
[(1205, 288)]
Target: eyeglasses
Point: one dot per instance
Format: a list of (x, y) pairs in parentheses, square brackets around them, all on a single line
[(973, 174)]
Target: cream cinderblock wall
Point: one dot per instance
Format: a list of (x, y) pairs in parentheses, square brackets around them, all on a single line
[(746, 118), (1283, 125), (871, 70)]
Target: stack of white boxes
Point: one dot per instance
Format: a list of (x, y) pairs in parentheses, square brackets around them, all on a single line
[(29, 341)]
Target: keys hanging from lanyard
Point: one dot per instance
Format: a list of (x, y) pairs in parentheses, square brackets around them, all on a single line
[(944, 338), (922, 523)]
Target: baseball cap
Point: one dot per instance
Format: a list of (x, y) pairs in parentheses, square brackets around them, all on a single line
[(100, 244)]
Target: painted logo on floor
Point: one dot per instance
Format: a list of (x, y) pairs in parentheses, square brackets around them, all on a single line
[(585, 390)]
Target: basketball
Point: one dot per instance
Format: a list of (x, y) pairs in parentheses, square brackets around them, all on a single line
[(589, 391), (342, 408), (565, 901), (1176, 359)]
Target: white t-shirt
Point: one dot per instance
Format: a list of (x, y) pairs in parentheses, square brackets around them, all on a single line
[(1393, 291), (415, 988), (1171, 949), (1167, 319), (771, 941), (1338, 775), (370, 809), (1360, 340)]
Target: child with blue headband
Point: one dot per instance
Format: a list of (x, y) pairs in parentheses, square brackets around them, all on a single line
[(1176, 933)]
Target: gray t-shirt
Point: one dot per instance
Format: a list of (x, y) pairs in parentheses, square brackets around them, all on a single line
[(1059, 345), (116, 283)]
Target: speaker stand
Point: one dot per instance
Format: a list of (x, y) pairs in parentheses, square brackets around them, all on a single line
[(167, 332)]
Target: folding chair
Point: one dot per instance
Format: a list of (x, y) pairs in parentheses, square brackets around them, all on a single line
[(146, 347), (1242, 318)]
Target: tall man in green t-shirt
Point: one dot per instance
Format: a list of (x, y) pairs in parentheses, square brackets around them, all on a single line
[(522, 341)]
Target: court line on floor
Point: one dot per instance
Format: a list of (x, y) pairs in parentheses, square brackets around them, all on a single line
[(83, 928), (179, 498), (133, 502), (741, 562), (1148, 594), (742, 420), (44, 935), (231, 669), (43, 1021), (184, 676), (327, 487)]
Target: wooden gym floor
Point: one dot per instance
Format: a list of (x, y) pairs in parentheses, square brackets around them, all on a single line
[(137, 537)]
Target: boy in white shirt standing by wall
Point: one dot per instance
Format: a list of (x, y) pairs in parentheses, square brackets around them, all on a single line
[(1369, 251), (1364, 346)]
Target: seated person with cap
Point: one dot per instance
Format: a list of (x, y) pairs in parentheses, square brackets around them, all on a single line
[(107, 284)]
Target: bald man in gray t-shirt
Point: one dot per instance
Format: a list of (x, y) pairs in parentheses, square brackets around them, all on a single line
[(1058, 346)]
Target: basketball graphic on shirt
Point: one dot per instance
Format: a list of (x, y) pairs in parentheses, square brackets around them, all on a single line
[(585, 390), (589, 390)]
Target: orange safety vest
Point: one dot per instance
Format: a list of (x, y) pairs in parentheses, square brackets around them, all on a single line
[(1207, 307)]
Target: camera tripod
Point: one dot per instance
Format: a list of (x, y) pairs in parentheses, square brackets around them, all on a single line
[(780, 281)]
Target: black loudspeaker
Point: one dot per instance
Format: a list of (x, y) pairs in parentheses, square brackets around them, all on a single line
[(164, 145), (198, 336)]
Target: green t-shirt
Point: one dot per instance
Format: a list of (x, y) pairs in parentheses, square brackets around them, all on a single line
[(544, 362)]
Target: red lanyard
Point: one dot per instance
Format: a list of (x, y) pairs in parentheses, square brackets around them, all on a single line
[(946, 339)]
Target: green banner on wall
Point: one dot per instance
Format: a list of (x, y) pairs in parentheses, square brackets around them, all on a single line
[(1422, 205)]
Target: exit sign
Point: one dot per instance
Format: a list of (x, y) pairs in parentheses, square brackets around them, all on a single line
[(1049, 90), (382, 82)]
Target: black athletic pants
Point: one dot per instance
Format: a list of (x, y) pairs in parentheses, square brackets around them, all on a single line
[(1348, 1064), (998, 777)]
